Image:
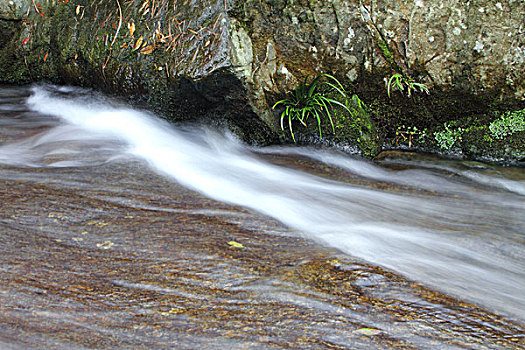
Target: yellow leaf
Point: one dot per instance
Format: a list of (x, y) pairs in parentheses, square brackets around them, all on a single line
[(138, 43), (78, 9), (172, 311), (98, 223), (131, 27), (235, 244), (105, 245), (334, 262), (147, 49), (368, 331)]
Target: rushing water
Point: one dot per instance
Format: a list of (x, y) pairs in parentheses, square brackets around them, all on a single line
[(457, 227)]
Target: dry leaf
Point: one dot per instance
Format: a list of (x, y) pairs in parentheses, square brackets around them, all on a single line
[(172, 311), (147, 49), (98, 223), (138, 43), (105, 245), (131, 27), (368, 331)]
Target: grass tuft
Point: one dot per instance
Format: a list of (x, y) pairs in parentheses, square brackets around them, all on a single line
[(311, 100)]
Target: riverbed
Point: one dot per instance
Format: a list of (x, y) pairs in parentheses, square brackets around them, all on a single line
[(120, 230)]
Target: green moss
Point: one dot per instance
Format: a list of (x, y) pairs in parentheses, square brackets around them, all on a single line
[(13, 67), (508, 124), (470, 112), (385, 51), (357, 127)]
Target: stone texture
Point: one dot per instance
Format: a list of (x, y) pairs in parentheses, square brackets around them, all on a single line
[(173, 57), (253, 52), (475, 46), (13, 9)]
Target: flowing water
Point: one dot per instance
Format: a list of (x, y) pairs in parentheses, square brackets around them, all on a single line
[(321, 232)]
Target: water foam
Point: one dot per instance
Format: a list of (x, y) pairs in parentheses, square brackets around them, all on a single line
[(448, 239)]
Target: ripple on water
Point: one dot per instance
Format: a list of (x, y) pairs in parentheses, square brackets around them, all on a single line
[(107, 253)]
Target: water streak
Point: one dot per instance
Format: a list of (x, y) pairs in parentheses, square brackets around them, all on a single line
[(461, 231)]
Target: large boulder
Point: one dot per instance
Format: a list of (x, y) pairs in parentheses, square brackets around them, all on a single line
[(173, 57), (472, 47), (228, 61)]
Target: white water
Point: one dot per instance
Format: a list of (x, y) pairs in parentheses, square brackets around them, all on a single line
[(463, 235)]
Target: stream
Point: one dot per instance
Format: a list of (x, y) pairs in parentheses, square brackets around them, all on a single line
[(120, 230)]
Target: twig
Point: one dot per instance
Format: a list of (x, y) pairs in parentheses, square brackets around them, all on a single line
[(195, 54), (27, 66), (107, 19), (209, 31), (35, 6), (119, 23)]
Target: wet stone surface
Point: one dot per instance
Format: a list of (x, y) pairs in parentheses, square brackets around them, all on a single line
[(155, 269)]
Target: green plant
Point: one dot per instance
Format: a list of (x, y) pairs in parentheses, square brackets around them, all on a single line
[(360, 121), (404, 134), (422, 135), (385, 51), (358, 114), (508, 124), (312, 100), (354, 125), (399, 82), (449, 136)]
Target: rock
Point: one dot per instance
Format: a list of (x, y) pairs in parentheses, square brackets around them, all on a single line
[(233, 59), (186, 62), (13, 9), (241, 51), (395, 154), (476, 46)]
